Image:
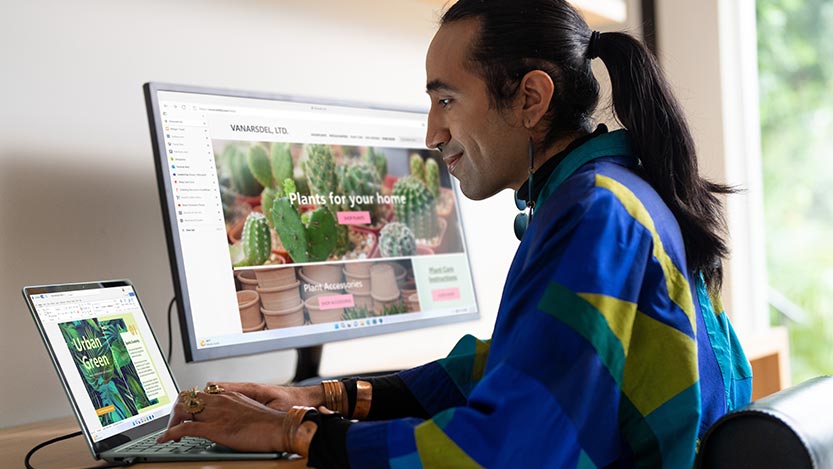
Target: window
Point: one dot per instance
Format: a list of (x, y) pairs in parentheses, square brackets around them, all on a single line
[(795, 57)]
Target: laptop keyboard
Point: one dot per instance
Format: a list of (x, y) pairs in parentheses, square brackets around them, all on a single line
[(148, 445)]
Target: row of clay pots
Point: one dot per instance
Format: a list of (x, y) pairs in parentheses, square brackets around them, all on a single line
[(253, 317), (272, 298), (266, 278)]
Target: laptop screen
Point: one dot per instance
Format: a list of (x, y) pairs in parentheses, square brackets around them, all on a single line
[(104, 349)]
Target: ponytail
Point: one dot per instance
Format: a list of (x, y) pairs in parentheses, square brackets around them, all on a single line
[(659, 133)]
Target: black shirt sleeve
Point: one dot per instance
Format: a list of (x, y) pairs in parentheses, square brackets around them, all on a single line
[(328, 448), (391, 398)]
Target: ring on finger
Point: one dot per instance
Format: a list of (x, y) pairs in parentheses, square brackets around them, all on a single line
[(192, 402), (214, 389)]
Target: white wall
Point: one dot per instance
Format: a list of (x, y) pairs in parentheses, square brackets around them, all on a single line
[(78, 197)]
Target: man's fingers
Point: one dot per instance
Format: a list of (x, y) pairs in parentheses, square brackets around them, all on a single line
[(188, 428)]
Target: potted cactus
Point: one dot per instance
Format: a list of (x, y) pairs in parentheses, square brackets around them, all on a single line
[(242, 179), (307, 238), (397, 240), (255, 245), (361, 180), (281, 162), (320, 169), (417, 166), (378, 160), (418, 209)]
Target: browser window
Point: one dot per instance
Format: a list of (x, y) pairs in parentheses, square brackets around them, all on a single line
[(300, 219)]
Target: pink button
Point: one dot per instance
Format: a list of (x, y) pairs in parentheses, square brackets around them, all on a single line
[(335, 301), (445, 294), (353, 218)]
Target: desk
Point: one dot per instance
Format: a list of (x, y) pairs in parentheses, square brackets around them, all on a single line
[(15, 442)]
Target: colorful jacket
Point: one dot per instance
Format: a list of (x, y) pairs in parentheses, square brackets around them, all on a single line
[(605, 350)]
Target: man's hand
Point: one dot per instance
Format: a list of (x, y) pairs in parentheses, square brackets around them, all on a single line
[(277, 397), (230, 419)]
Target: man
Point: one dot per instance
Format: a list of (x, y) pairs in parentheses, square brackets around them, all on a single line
[(610, 346)]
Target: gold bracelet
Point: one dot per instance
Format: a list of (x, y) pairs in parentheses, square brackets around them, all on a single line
[(335, 397), (364, 394), (292, 441)]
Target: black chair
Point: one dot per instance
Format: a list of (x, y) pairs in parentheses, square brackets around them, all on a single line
[(791, 429)]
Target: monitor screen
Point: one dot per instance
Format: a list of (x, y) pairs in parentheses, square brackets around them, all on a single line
[(293, 222)]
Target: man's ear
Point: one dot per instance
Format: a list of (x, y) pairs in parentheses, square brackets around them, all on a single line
[(537, 89)]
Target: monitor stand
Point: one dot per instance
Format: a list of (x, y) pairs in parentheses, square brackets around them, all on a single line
[(309, 361)]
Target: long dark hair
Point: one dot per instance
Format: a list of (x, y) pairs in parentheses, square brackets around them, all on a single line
[(517, 36)]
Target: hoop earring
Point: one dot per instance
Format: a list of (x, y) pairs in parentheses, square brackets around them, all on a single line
[(522, 220)]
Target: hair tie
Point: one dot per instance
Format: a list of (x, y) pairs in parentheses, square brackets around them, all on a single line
[(593, 46)]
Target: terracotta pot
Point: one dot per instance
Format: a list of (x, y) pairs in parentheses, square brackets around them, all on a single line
[(399, 273), (270, 278), (259, 327), (253, 200), (248, 302), (279, 297), (408, 288), (359, 269), (289, 317), (412, 302), (361, 283), (422, 250), (383, 284), (363, 300), (318, 315), (322, 273), (379, 304), (247, 279)]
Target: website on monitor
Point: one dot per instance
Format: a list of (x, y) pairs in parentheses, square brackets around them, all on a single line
[(108, 357), (302, 218)]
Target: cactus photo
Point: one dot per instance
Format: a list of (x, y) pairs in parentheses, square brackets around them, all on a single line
[(286, 203)]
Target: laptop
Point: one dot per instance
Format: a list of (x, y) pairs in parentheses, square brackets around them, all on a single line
[(113, 372)]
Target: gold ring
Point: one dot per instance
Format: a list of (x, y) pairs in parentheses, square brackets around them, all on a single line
[(214, 389), (191, 401)]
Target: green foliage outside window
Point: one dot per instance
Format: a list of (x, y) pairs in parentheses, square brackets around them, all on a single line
[(795, 54)]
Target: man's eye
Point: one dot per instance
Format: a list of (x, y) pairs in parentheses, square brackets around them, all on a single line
[(444, 102)]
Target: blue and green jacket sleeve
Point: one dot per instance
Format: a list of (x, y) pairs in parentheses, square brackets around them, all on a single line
[(595, 358)]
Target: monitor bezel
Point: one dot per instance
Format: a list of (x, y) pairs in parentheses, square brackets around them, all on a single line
[(189, 341)]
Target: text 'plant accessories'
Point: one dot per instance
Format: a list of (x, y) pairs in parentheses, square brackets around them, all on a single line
[(522, 220)]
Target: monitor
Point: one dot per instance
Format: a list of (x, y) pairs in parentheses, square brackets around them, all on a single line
[(292, 222)]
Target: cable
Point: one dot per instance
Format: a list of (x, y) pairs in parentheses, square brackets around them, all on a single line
[(126, 462), (170, 330), (45, 443)]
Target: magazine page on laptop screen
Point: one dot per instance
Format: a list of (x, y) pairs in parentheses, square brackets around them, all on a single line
[(108, 356), (299, 219)]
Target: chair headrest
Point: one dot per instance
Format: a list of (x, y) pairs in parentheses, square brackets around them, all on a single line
[(792, 428)]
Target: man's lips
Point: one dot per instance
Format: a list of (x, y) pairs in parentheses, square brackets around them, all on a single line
[(452, 160)]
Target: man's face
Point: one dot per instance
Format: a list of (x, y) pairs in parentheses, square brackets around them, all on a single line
[(484, 149)]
